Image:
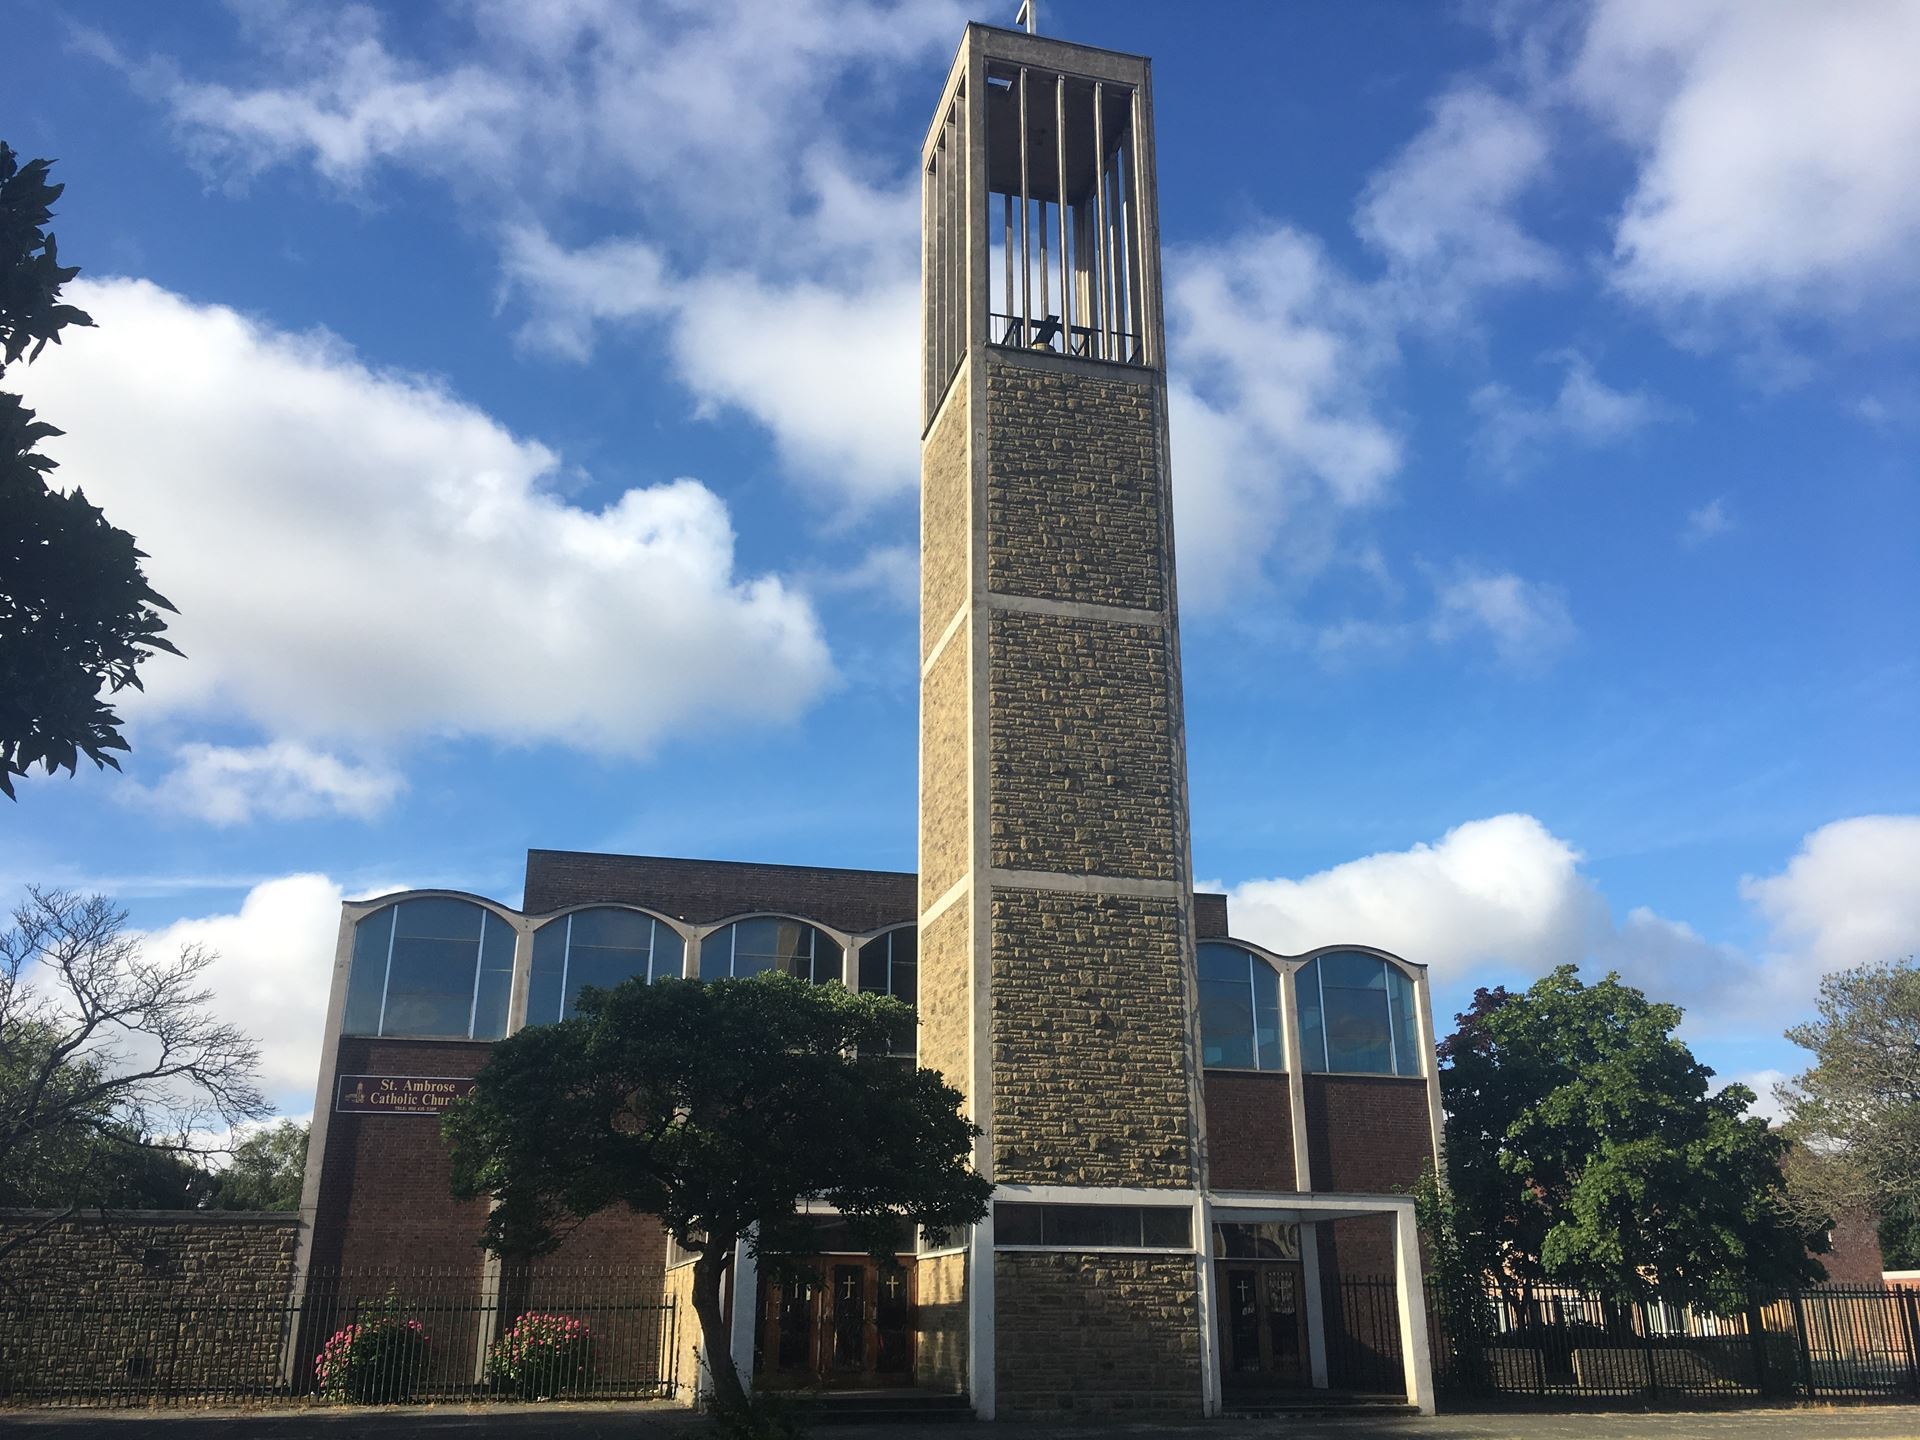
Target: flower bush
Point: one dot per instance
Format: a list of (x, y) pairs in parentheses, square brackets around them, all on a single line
[(542, 1356), (373, 1362)]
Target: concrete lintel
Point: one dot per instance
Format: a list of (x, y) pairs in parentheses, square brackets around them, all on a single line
[(1075, 609), (1086, 884)]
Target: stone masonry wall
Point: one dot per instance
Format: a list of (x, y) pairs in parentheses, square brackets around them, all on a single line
[(1089, 1040), (143, 1299), (1073, 488), (945, 520), (676, 1289), (941, 1311), (1082, 764), (1096, 1336), (945, 841), (946, 995)]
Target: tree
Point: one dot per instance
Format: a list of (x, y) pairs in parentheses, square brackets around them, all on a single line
[(717, 1106), (76, 613), (266, 1172), (1854, 1115), (1584, 1147), (106, 1056)]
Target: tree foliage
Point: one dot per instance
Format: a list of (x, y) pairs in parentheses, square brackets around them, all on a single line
[(76, 613), (1854, 1115), (719, 1107), (265, 1171), (1584, 1147), (111, 1065)]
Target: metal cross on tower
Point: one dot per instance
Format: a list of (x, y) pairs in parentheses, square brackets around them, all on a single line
[(1028, 16)]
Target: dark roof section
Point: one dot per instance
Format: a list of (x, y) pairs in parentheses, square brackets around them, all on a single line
[(703, 891), (706, 890)]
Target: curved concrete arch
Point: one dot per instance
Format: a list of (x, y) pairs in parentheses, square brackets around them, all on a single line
[(358, 910), (697, 940)]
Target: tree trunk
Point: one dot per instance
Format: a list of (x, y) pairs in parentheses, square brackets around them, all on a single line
[(708, 1269)]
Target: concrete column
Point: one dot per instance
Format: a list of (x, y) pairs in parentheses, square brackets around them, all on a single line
[(1417, 1358), (746, 1311), (1316, 1307)]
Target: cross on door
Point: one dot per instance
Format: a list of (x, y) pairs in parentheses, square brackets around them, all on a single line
[(852, 1288), (1242, 1289), (893, 1287)]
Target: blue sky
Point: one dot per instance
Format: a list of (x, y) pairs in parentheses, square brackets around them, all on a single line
[(519, 403)]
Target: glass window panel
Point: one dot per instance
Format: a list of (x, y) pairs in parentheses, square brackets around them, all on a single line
[(367, 978), (1017, 1225), (430, 987), (1263, 1240), (1092, 1225), (1356, 1030), (669, 953), (601, 968), (1406, 1051), (906, 945), (1164, 1225), (755, 937), (1226, 1022), (490, 1004), (1306, 993), (906, 981), (440, 919), (543, 983), (1270, 1046), (1223, 962), (612, 929), (1348, 971), (874, 966)]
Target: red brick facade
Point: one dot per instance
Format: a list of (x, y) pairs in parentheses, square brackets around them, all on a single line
[(702, 891), (1249, 1131)]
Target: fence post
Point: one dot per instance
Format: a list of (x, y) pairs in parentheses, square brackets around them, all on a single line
[(1800, 1336), (1911, 1325), (1641, 1318)]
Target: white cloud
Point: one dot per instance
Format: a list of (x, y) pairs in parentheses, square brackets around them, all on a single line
[(230, 785), (1848, 897), (1526, 621), (1777, 143), (1516, 437), (1441, 210), (1273, 417), (360, 557), (273, 976), (1707, 522), (1762, 1082)]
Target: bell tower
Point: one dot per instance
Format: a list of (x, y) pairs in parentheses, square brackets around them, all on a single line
[(1056, 907)]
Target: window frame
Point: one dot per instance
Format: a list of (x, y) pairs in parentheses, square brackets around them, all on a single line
[(656, 922), (487, 912), (731, 928), (1390, 967), (1279, 973), (1045, 1246), (859, 952)]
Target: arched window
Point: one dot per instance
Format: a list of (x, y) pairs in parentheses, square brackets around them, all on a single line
[(434, 966), (601, 948), (1239, 1010), (890, 965), (766, 942), (1356, 1015)]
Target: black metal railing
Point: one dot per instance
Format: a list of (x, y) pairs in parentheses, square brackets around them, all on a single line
[(356, 1336), (1559, 1343)]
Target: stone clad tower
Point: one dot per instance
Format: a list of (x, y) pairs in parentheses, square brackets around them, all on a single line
[(1056, 908)]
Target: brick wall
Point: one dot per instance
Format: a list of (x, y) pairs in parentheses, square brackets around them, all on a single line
[(1096, 1336), (1249, 1131), (1081, 740), (702, 891), (385, 1195), (1367, 1134), (940, 1360), (139, 1299), (1089, 1041), (1073, 488), (1210, 916)]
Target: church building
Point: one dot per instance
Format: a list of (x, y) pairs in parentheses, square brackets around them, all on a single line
[(1203, 1151)]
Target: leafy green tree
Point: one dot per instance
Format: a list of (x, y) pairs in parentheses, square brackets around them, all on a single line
[(719, 1107), (76, 613), (1584, 1147), (1854, 1115), (266, 1171)]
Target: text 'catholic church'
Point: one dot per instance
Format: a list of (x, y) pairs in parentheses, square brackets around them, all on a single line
[(1202, 1150)]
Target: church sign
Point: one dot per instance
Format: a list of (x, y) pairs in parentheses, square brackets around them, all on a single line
[(400, 1094)]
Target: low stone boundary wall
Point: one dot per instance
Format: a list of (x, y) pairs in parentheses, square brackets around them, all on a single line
[(145, 1300)]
